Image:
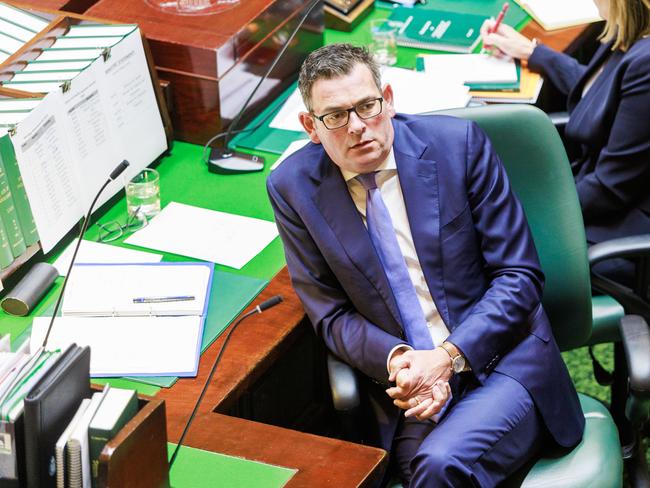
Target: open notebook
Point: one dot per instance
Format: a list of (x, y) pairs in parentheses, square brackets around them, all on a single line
[(159, 337)]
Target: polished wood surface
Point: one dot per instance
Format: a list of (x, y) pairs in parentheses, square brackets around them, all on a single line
[(559, 39), (255, 346)]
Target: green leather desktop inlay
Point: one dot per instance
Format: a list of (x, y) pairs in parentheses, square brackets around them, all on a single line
[(195, 468)]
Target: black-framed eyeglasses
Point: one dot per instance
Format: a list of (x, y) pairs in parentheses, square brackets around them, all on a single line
[(113, 230), (340, 118)]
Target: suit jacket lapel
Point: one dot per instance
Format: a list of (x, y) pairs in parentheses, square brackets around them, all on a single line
[(596, 61), (418, 178), (335, 204)]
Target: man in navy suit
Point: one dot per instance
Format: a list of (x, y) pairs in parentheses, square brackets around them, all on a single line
[(454, 349)]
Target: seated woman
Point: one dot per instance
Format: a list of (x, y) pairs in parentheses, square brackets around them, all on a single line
[(609, 105)]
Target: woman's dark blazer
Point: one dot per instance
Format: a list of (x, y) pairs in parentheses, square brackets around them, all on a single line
[(612, 125)]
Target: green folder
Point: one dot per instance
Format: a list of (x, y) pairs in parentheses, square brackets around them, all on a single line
[(196, 468), (9, 216), (23, 209), (419, 66), (438, 30)]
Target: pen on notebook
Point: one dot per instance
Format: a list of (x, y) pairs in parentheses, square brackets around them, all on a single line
[(181, 298)]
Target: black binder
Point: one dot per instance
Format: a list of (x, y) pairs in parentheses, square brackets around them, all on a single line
[(49, 407)]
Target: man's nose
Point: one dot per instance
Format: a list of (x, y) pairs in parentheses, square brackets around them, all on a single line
[(355, 123)]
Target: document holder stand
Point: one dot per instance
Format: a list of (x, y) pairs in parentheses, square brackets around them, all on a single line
[(137, 455)]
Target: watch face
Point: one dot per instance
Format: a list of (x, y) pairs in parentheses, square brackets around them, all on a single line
[(458, 364)]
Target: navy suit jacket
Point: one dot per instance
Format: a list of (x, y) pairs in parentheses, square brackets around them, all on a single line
[(612, 126), (476, 253)]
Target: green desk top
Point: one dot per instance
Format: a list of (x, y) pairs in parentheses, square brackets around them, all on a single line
[(185, 179), (195, 468)]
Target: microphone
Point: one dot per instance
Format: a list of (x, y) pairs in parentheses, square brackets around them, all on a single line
[(265, 305), (225, 161), (114, 174)]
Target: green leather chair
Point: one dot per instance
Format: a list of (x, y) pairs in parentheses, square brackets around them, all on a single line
[(539, 172)]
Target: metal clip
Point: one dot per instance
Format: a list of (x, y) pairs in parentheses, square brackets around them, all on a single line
[(106, 53), (66, 85)]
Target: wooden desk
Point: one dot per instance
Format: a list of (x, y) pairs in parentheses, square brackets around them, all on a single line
[(253, 349)]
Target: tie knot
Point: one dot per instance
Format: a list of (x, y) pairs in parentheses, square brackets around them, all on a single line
[(367, 180)]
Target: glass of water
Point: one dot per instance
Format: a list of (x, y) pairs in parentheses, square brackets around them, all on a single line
[(382, 43), (143, 193)]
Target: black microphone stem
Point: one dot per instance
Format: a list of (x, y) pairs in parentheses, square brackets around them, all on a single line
[(116, 172), (259, 309), (226, 135)]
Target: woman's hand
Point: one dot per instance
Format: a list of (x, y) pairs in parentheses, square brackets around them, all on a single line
[(508, 41)]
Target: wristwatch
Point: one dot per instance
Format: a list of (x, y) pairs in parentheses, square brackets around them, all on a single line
[(458, 362)]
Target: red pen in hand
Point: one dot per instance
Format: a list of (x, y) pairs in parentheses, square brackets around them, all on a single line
[(500, 17)]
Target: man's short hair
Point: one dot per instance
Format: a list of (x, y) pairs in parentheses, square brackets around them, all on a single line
[(333, 61)]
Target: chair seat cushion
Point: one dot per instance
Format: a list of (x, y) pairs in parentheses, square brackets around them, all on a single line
[(606, 314), (595, 463)]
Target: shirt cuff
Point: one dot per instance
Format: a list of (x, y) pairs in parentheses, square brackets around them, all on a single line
[(393, 351)]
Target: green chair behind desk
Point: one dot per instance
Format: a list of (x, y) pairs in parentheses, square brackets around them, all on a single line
[(540, 175)]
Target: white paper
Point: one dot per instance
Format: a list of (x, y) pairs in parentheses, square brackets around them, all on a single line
[(50, 177), (12, 117), (414, 93), (22, 18), (18, 103), (96, 252), (129, 346), (55, 66), (59, 448), (69, 144), (417, 93), (82, 42), (470, 68), (561, 13), (69, 54), (86, 30), (293, 147), (35, 87), (16, 31), (79, 435), (10, 44), (231, 240), (44, 76), (97, 290), (287, 116)]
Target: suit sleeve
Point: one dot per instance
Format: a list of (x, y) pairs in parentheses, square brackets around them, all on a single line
[(563, 70), (621, 175), (346, 332), (499, 319)]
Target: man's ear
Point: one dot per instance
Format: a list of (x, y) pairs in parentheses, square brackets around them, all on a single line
[(389, 105), (309, 124)]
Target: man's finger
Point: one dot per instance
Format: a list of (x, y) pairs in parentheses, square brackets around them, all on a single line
[(418, 408)]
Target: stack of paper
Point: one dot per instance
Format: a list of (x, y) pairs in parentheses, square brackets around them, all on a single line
[(470, 69), (17, 27)]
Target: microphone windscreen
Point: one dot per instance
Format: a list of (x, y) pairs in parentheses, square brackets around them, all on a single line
[(271, 302), (119, 169)]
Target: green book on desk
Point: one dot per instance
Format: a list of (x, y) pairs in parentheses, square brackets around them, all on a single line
[(9, 216), (437, 29)]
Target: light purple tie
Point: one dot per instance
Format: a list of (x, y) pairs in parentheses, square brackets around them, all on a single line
[(384, 240)]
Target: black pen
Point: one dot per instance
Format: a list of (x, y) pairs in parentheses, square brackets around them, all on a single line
[(181, 298)]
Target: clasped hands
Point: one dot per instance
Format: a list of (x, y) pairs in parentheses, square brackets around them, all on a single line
[(421, 381)]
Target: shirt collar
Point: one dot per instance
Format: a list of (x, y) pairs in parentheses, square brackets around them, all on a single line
[(389, 163)]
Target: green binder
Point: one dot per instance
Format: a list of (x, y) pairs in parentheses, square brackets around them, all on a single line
[(6, 256), (9, 216), (438, 30), (23, 209)]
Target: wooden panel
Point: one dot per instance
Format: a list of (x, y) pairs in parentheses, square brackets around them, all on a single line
[(559, 39), (253, 349)]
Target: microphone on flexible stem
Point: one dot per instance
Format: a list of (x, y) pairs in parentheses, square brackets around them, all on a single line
[(114, 174), (265, 305), (226, 161)]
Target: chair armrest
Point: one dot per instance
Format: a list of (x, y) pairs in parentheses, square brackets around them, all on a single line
[(624, 247), (635, 336), (343, 385), (559, 119)]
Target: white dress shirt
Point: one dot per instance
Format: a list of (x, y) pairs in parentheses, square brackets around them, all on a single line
[(391, 192)]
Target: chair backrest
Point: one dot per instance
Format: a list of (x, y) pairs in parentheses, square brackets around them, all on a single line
[(540, 175)]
